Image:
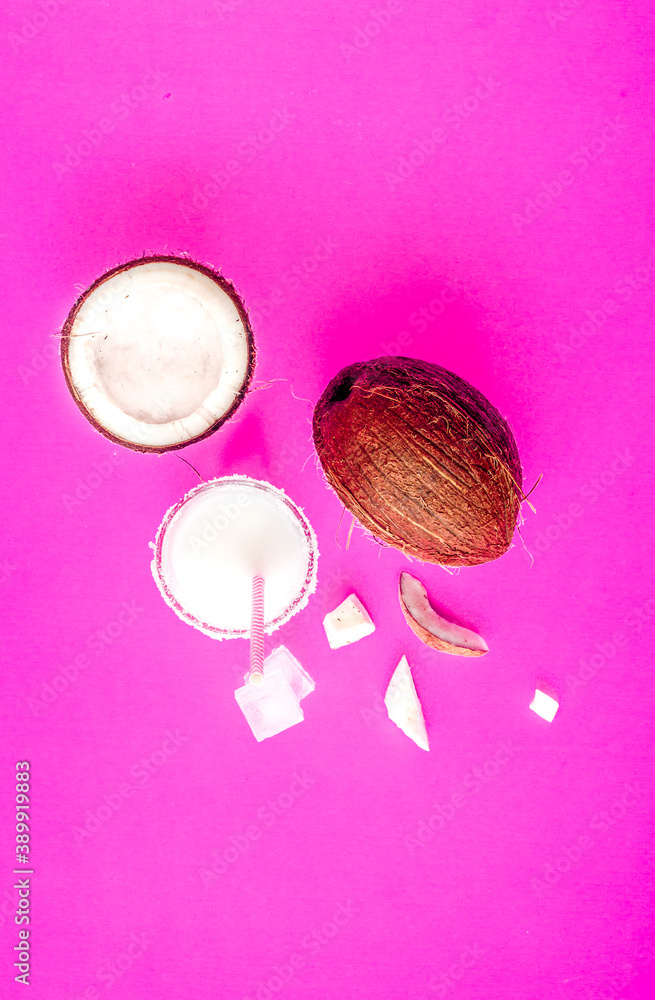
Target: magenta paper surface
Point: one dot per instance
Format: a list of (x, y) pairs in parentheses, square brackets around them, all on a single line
[(469, 183)]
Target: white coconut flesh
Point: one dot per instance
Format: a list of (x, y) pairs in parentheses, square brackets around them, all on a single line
[(404, 707), (157, 354), (415, 599)]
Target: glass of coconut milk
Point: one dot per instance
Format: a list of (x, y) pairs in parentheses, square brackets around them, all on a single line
[(220, 536)]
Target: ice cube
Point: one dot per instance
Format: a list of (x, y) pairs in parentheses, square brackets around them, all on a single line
[(544, 705), (347, 623), (299, 680), (270, 707), (403, 705)]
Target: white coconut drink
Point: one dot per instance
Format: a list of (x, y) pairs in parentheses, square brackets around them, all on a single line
[(217, 539), (158, 353)]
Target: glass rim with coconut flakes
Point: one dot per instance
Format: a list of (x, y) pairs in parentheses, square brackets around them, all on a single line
[(217, 538)]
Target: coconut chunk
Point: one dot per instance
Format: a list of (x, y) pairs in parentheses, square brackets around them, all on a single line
[(403, 705), (158, 353), (430, 627), (348, 623), (544, 705)]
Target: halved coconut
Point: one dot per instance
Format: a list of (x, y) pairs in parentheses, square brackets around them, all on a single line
[(158, 353), (430, 627)]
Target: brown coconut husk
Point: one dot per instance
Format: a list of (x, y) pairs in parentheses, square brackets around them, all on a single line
[(227, 287), (422, 459)]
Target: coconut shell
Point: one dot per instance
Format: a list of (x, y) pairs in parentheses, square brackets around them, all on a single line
[(421, 458), (437, 637), (223, 283)]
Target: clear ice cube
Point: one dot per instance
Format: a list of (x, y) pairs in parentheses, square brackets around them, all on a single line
[(271, 706), (299, 680)]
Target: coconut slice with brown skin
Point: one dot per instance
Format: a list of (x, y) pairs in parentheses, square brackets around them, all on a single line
[(158, 353), (430, 627)]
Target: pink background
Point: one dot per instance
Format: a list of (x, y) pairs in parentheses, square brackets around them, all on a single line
[(147, 127)]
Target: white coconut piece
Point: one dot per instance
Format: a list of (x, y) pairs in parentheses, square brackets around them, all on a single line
[(348, 623), (403, 705), (430, 627), (158, 353), (211, 544), (544, 705)]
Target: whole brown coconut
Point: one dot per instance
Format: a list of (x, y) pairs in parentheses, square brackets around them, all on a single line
[(421, 458)]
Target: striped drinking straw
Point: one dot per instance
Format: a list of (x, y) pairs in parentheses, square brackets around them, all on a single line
[(256, 672)]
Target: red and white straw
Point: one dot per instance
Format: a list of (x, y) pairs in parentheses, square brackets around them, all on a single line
[(256, 672)]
